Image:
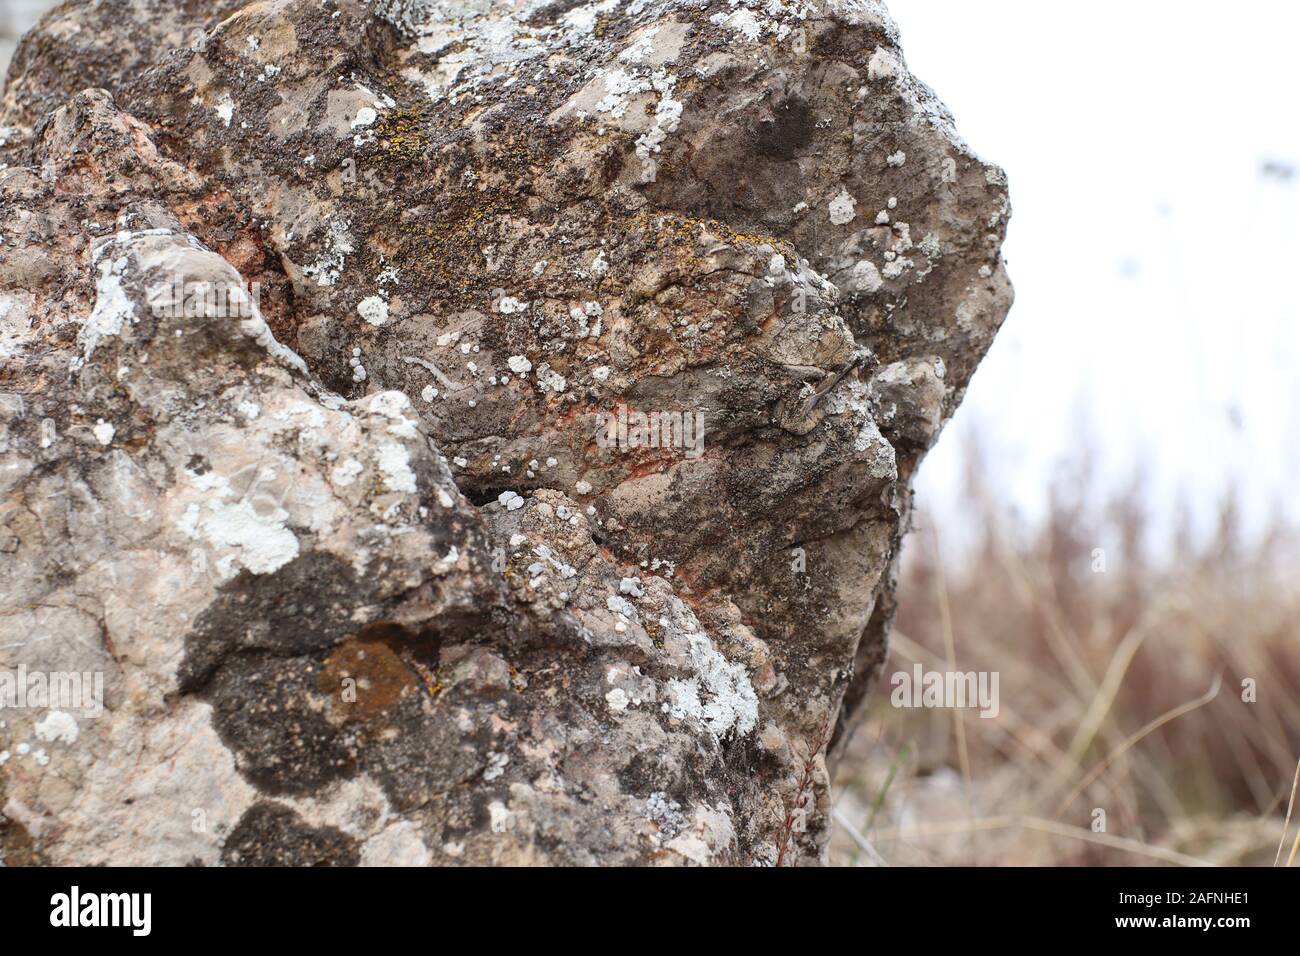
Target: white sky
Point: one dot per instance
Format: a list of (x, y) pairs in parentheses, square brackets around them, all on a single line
[(1156, 267)]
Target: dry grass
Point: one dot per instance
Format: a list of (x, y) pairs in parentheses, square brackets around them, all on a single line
[(1121, 691)]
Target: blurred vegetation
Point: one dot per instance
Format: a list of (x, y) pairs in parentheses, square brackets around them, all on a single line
[(1121, 686)]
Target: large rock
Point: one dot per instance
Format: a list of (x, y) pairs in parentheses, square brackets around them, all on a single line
[(308, 328)]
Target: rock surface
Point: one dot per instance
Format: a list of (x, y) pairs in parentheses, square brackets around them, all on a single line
[(312, 317)]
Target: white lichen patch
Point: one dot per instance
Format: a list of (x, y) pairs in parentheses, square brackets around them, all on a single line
[(496, 765), (549, 380), (104, 432), (884, 64), (841, 208), (58, 726), (751, 19), (641, 46), (373, 309), (500, 819), (620, 85), (564, 570), (617, 700), (720, 696), (337, 247), (667, 116), (871, 447), (621, 605), (863, 278), (346, 472), (261, 541), (394, 464), (113, 307), (225, 109), (743, 22), (666, 814)]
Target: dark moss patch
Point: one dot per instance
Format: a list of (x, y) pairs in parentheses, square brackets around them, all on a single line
[(421, 754), (303, 608), (270, 712), (788, 132), (270, 834)]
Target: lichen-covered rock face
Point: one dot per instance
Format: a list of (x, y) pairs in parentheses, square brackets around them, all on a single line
[(464, 432)]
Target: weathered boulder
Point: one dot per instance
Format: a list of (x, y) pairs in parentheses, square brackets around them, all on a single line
[(465, 432)]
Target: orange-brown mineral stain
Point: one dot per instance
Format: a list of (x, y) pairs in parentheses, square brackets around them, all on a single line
[(368, 674)]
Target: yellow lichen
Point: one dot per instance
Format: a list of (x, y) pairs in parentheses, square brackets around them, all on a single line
[(688, 229), (402, 134)]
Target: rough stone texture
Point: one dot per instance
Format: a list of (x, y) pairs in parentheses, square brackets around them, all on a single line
[(362, 582)]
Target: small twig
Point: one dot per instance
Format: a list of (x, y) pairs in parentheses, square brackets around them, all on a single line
[(863, 843), (800, 798), (1128, 744), (1286, 827), (1053, 827), (904, 752), (856, 360)]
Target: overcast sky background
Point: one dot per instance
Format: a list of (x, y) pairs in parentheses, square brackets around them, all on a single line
[(1154, 255)]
